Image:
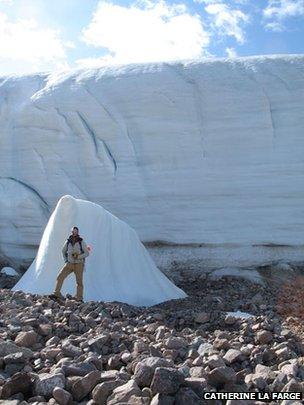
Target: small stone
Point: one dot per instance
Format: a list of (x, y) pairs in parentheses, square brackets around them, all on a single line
[(202, 317), (230, 320), (45, 329), (264, 337), (220, 344)]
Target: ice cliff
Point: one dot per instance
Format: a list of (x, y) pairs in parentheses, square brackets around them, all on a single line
[(191, 152)]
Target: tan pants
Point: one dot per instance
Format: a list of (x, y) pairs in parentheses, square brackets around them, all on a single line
[(68, 268)]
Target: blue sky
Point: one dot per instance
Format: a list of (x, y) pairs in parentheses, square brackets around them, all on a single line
[(48, 35)]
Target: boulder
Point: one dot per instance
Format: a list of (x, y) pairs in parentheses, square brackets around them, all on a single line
[(26, 339), (45, 384), (62, 396), (19, 383), (144, 369), (85, 385), (219, 376), (124, 392), (166, 380)]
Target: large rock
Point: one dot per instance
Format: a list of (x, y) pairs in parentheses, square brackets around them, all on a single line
[(144, 369), (186, 396), (26, 339), (102, 391), (233, 355), (62, 396), (264, 337), (85, 385), (166, 380), (219, 376), (19, 383), (45, 384), (124, 392), (8, 347), (175, 342)]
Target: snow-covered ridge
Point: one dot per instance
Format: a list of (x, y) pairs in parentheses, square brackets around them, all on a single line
[(191, 152)]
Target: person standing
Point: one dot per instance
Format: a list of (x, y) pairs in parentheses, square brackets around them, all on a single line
[(74, 252)]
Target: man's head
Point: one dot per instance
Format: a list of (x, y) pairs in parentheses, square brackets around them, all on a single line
[(75, 231)]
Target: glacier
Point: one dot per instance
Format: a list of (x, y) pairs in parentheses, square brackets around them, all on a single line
[(195, 153)]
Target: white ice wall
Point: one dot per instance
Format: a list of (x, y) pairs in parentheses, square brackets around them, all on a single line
[(207, 152)]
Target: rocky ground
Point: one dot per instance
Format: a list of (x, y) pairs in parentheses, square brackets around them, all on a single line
[(64, 352)]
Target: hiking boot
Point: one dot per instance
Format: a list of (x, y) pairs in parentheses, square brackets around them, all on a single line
[(56, 295)]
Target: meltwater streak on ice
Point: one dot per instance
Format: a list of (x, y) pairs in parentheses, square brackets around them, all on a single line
[(191, 152), (118, 269)]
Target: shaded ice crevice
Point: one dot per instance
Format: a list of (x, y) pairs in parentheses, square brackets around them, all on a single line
[(267, 99), (120, 123), (41, 160), (63, 116), (94, 140), (32, 189)]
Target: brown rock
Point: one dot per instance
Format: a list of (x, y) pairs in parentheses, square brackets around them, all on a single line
[(233, 355), (166, 380), (62, 396), (220, 344), (45, 329), (219, 376), (144, 369), (175, 342), (85, 385), (102, 391), (124, 392), (264, 337), (26, 339), (202, 317), (20, 382)]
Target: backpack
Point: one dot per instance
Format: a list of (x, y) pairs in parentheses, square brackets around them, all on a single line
[(80, 244)]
